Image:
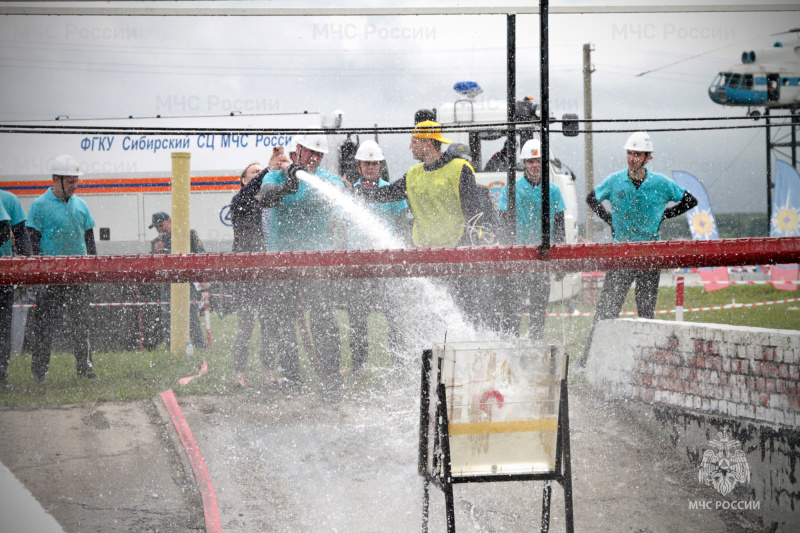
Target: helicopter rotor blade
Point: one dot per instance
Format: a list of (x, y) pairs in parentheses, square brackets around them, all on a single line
[(710, 51)]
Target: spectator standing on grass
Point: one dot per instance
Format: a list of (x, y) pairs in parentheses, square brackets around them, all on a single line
[(13, 241), (162, 244), (300, 217), (639, 199), (514, 291), (59, 223), (251, 298)]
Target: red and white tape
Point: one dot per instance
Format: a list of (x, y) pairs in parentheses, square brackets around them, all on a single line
[(702, 282), (665, 311), (111, 304), (576, 314)]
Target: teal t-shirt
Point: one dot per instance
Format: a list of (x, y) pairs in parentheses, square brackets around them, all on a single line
[(636, 213), (5, 218), (62, 224), (300, 221), (10, 203), (529, 209), (388, 212)]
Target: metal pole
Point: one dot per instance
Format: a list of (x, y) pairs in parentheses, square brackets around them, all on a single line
[(588, 141), (511, 134), (769, 171), (567, 454), (548, 491), (179, 306), (544, 8), (794, 136)]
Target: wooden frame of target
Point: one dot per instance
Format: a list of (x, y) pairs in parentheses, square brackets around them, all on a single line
[(495, 411)]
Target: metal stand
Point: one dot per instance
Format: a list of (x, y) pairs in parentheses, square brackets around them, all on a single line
[(441, 476)]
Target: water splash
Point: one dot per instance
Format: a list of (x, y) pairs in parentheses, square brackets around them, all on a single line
[(429, 303)]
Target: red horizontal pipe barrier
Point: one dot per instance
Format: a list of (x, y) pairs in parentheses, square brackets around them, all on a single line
[(485, 260)]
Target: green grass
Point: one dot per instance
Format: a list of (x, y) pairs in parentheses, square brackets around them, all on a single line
[(125, 376), (133, 375)]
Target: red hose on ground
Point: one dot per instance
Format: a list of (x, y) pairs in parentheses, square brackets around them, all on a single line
[(210, 508)]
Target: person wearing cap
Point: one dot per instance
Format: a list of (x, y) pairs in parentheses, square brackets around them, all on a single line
[(59, 223), (366, 294), (638, 199), (14, 240), (162, 244), (300, 222), (534, 288), (449, 208)]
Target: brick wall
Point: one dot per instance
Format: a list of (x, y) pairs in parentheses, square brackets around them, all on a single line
[(689, 381), (751, 373)]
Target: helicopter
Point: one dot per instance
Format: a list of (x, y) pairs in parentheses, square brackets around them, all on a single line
[(768, 78)]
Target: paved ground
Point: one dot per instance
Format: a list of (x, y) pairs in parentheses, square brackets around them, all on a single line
[(290, 462)]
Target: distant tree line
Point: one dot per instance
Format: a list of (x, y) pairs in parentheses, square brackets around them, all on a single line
[(731, 226)]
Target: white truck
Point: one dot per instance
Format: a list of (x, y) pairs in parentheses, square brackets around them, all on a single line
[(127, 174)]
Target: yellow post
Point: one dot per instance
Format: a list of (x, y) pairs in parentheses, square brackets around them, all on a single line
[(181, 187)]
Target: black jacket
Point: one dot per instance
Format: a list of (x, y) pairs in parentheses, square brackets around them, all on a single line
[(246, 218)]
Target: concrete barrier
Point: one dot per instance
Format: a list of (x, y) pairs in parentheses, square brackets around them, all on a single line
[(714, 390)]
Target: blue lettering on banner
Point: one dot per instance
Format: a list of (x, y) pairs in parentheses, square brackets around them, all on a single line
[(225, 216), (205, 141), (273, 140), (102, 144), (143, 143)]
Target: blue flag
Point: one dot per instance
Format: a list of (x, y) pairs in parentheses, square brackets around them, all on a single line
[(785, 202), (702, 223)]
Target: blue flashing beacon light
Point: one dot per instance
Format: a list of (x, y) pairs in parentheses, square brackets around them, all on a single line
[(470, 89)]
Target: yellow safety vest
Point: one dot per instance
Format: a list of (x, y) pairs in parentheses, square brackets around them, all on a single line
[(436, 204)]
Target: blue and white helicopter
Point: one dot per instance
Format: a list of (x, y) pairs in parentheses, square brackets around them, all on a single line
[(767, 78)]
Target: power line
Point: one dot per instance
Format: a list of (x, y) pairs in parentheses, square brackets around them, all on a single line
[(741, 152), (140, 130)]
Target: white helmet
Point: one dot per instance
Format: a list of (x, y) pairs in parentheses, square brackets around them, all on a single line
[(317, 143), (639, 142), (531, 150), (65, 165), (369, 151)]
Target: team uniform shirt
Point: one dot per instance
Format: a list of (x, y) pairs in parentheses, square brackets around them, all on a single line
[(4, 218), (637, 213), (529, 209), (10, 203), (63, 225), (357, 238), (300, 221)]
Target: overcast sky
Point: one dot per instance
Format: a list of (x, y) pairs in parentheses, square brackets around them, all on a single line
[(382, 69)]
